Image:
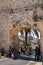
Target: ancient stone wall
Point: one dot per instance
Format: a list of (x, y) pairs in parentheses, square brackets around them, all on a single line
[(13, 12)]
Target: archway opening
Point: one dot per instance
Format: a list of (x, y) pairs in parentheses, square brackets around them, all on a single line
[(29, 40), (26, 39)]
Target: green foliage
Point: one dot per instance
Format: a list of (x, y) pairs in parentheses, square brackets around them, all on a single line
[(23, 44)]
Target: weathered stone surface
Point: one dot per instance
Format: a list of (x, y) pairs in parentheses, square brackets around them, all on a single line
[(14, 12)]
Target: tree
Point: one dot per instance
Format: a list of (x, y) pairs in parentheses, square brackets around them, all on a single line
[(26, 33)]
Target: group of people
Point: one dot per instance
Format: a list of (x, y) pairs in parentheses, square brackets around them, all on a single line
[(37, 51), (23, 50)]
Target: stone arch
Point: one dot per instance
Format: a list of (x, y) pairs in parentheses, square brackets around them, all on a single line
[(14, 32)]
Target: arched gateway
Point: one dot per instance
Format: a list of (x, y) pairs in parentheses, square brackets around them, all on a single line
[(14, 32)]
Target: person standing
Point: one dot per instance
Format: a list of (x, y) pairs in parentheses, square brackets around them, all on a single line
[(10, 51), (37, 54), (19, 51)]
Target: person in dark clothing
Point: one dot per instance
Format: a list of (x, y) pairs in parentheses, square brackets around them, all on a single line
[(23, 50), (30, 50), (19, 51), (14, 53), (10, 51), (37, 53), (2, 51)]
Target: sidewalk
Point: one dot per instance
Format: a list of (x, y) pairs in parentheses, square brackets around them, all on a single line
[(34, 63)]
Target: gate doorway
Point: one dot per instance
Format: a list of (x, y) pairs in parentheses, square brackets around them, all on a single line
[(28, 42), (26, 39)]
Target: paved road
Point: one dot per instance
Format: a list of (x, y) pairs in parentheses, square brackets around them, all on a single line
[(23, 60), (9, 61)]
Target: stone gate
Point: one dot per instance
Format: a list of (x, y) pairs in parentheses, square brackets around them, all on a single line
[(14, 32)]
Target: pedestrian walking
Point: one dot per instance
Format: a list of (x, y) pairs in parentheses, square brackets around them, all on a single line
[(37, 53)]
